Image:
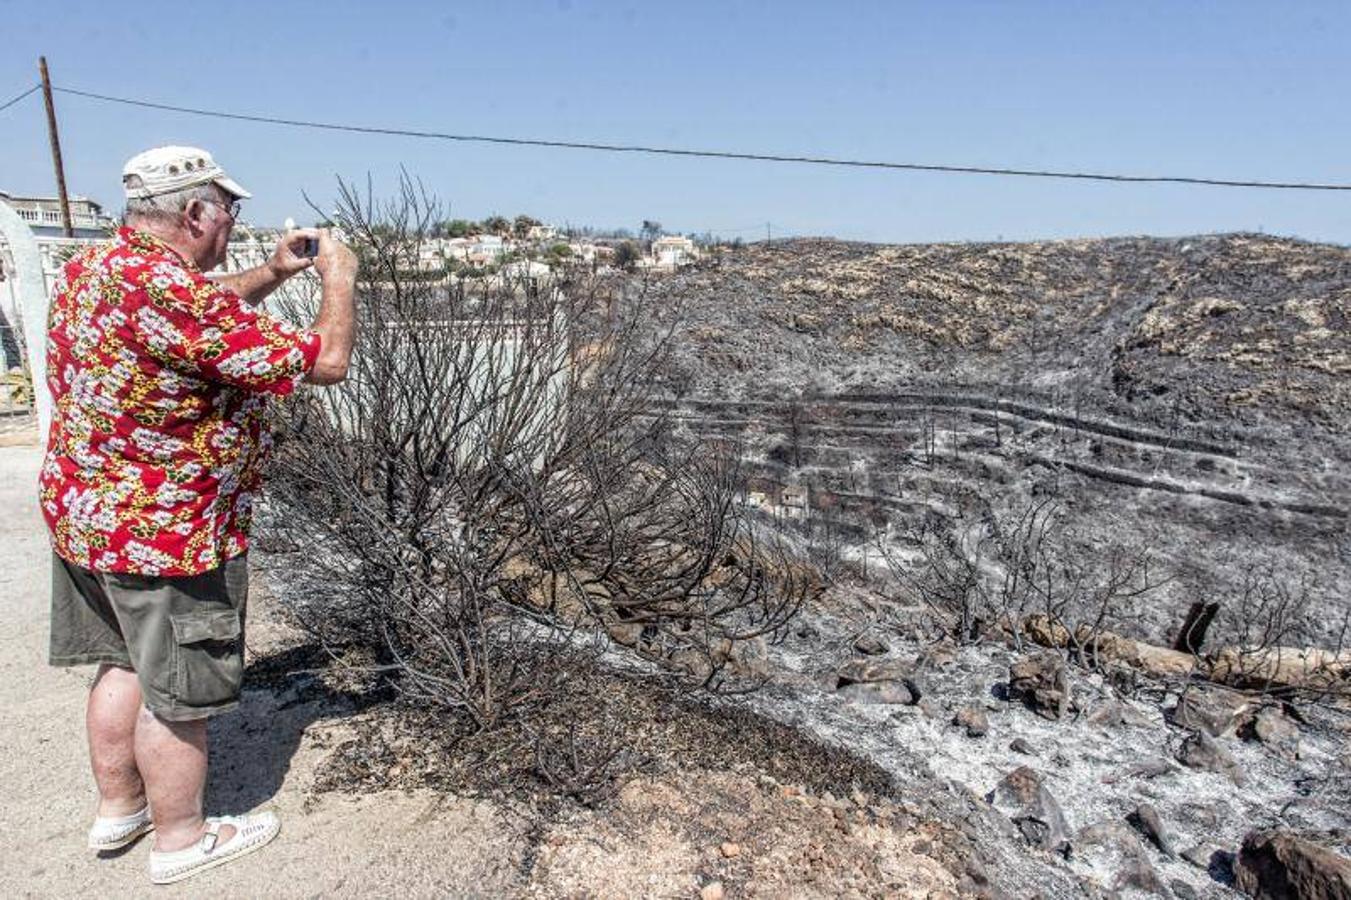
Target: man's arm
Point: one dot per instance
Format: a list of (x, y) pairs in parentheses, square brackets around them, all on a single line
[(336, 322), (253, 285)]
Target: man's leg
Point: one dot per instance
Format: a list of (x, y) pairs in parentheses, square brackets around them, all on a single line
[(110, 720), (173, 757)]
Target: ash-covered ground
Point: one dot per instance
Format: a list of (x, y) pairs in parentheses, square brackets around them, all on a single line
[(1189, 397), (1184, 400), (939, 714)]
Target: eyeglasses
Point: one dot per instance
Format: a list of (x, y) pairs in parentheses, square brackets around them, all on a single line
[(231, 209)]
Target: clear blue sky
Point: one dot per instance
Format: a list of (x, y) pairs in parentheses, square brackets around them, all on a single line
[(1226, 89)]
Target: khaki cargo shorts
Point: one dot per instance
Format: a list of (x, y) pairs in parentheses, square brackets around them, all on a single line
[(183, 636)]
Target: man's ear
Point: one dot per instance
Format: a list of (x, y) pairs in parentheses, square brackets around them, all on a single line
[(193, 215)]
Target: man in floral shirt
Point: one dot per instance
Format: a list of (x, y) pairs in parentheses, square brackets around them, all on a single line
[(160, 380)]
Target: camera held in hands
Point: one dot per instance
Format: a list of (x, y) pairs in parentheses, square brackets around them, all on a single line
[(308, 247)]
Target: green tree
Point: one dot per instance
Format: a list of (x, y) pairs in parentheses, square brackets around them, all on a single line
[(499, 225), (557, 254), (458, 228)]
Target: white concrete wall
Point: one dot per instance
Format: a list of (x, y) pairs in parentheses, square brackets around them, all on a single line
[(29, 296)]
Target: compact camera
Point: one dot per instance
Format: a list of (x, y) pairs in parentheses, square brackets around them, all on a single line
[(310, 248)]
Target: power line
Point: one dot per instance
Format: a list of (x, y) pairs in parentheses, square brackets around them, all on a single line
[(20, 97), (718, 154)]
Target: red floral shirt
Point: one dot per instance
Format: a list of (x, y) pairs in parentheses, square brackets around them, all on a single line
[(160, 381)]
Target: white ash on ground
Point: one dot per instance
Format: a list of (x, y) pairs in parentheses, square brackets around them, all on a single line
[(1107, 757)]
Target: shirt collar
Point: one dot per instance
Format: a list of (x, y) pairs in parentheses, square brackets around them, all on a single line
[(149, 243)]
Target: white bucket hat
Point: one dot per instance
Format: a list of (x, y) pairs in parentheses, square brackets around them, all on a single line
[(167, 169)]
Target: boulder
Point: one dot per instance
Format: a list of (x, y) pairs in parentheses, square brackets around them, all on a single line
[(1217, 863), (1280, 865), (879, 692), (627, 634), (1145, 819), (863, 671), (1200, 855), (1145, 768), (1200, 751), (571, 595), (694, 663), (937, 656), (1215, 710), (877, 681), (1040, 681), (747, 657), (1024, 798), (870, 644), (1115, 713), (1042, 630), (973, 719), (1272, 728), (1113, 848), (1182, 890), (1139, 874)]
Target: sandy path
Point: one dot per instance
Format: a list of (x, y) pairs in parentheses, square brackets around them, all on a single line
[(416, 845)]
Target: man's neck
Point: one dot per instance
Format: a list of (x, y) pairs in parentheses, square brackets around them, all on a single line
[(173, 237)]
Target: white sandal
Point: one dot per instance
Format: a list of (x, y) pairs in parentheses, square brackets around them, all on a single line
[(115, 832), (251, 832)]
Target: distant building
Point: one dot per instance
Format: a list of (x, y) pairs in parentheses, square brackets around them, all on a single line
[(43, 215), (486, 248), (541, 233), (794, 502), (583, 251), (671, 252), (457, 248), (433, 255)]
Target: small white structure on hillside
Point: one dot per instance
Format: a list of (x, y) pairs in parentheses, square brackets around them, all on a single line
[(672, 251)]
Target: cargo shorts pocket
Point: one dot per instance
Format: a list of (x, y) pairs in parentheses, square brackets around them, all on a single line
[(210, 657)]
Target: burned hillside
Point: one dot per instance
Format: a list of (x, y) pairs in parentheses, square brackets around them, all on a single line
[(1186, 396), (926, 518), (1211, 330)]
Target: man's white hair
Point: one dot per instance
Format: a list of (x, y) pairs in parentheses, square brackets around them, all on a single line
[(168, 207)]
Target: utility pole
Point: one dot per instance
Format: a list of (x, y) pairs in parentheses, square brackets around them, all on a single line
[(769, 235), (56, 147)]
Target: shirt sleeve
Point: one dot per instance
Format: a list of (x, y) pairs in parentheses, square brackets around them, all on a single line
[(207, 331)]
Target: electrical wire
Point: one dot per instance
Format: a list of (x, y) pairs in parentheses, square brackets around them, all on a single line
[(20, 97), (716, 154)]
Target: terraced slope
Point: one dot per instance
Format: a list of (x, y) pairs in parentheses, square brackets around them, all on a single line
[(1190, 395)]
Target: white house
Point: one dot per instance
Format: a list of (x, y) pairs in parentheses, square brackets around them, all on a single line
[(673, 251), (485, 248), (43, 215)]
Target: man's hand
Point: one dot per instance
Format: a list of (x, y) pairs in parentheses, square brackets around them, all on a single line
[(335, 259), (336, 322), (286, 259)]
